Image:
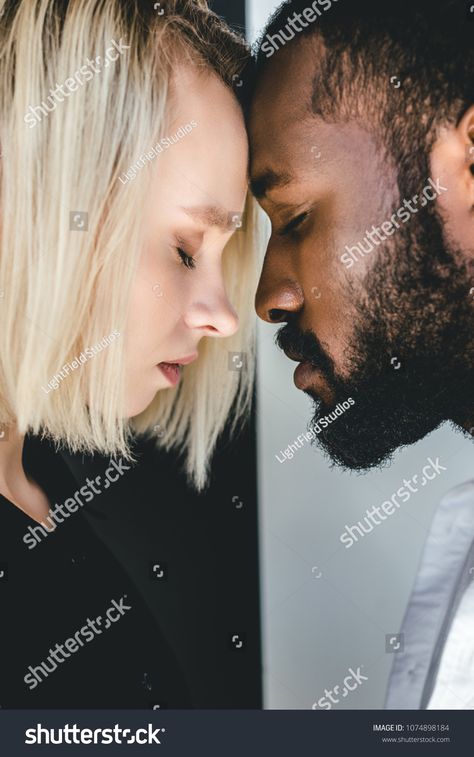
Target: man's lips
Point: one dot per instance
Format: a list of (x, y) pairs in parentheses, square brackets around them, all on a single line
[(294, 356), (303, 376)]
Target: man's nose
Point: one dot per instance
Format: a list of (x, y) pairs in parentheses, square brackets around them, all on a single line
[(278, 295)]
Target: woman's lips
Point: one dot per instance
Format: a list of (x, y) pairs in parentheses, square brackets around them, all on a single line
[(171, 371)]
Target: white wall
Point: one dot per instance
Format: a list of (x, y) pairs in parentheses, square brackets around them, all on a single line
[(315, 628), (257, 12)]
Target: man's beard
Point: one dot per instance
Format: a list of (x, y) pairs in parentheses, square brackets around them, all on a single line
[(411, 359)]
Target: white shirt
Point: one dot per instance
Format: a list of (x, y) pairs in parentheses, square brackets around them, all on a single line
[(436, 668), (454, 686)]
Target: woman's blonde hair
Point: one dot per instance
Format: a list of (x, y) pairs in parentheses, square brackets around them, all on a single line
[(70, 235)]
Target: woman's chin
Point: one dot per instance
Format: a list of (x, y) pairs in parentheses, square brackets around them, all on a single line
[(140, 400)]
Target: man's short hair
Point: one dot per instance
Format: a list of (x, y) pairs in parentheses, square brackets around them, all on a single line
[(402, 68)]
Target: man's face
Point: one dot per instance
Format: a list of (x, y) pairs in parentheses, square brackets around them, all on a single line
[(391, 325)]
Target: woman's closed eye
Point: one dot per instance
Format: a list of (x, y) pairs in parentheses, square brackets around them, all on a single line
[(186, 259)]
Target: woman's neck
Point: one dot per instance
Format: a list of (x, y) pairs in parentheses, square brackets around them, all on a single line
[(14, 482), (11, 451)]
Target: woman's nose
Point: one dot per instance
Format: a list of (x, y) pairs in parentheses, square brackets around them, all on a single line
[(214, 318)]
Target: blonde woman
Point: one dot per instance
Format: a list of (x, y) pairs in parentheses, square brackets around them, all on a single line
[(127, 277)]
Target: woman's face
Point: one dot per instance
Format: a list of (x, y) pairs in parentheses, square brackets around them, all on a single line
[(199, 187)]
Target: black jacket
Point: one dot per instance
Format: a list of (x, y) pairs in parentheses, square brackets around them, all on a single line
[(74, 632)]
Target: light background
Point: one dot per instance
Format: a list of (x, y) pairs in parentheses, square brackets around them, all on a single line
[(315, 629)]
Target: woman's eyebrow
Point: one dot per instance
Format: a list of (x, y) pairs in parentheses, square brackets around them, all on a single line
[(213, 215)]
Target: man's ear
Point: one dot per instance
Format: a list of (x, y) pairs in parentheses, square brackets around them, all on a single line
[(466, 127), (452, 161)]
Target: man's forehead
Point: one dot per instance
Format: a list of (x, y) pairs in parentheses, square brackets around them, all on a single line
[(312, 149), (283, 90), (279, 157), (281, 119), (287, 139)]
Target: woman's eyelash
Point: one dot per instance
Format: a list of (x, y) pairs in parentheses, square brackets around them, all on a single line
[(293, 224), (187, 260)]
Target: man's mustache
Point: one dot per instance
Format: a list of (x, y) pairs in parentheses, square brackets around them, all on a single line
[(305, 346)]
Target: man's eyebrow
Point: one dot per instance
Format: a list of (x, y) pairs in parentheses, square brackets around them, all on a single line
[(268, 180), (213, 215)]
